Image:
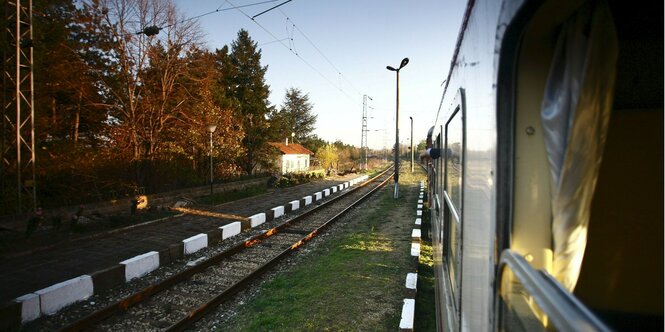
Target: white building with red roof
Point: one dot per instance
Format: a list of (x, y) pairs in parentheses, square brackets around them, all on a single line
[(294, 157)]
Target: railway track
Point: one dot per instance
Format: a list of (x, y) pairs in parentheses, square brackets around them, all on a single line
[(175, 303)]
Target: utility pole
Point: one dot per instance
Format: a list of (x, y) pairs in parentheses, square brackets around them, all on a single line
[(18, 122), (363, 138), (411, 118)]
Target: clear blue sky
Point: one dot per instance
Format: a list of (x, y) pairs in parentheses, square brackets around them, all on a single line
[(359, 38)]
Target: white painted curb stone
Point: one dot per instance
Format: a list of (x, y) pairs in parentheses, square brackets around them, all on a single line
[(408, 311), (140, 265), (231, 229), (415, 249), (29, 307), (257, 219), (411, 280), (195, 243), (279, 211), (62, 294)]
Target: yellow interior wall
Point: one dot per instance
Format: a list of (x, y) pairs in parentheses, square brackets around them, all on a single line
[(531, 235)]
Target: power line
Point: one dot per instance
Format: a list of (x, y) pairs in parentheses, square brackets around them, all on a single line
[(271, 8), (339, 72), (153, 30), (281, 41)]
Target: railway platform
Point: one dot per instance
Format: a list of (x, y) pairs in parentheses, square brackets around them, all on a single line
[(28, 271)]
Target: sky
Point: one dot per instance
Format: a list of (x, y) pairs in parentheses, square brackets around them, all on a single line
[(336, 51)]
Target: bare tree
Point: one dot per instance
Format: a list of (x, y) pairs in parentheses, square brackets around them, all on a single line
[(146, 67)]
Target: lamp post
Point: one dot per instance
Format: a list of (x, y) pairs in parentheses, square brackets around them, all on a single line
[(211, 129), (411, 143), (401, 65)]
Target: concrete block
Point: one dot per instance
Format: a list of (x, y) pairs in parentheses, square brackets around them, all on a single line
[(326, 192), (415, 249), (307, 200), (176, 251), (333, 189), (195, 243), (214, 236), (340, 187), (245, 224), (317, 196), (415, 234), (418, 221), (257, 219), (346, 185), (108, 278), (420, 201), (10, 316), (411, 280), (29, 307), (230, 230), (294, 205), (419, 206), (278, 211), (62, 294), (408, 312), (419, 213), (164, 256), (140, 265)]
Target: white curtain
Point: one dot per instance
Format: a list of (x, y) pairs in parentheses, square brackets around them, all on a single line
[(575, 116)]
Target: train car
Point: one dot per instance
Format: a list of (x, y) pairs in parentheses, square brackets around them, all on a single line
[(547, 201)]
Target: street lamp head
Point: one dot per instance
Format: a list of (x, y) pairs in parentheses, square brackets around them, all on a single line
[(411, 118), (391, 68), (404, 62), (212, 128)]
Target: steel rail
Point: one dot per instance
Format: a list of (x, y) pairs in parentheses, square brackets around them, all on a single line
[(144, 294), (204, 309)]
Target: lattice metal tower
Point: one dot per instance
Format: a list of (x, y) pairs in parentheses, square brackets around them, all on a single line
[(18, 122), (363, 138)]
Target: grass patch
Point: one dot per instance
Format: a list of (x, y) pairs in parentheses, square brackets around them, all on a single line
[(220, 198), (353, 281)]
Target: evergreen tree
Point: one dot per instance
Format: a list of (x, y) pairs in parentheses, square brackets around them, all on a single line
[(295, 116), (250, 95)]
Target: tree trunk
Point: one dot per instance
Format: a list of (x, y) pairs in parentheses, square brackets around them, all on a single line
[(54, 113), (77, 119)]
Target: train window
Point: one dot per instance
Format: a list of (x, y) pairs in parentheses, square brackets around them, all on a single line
[(437, 180), (453, 153), (453, 161)]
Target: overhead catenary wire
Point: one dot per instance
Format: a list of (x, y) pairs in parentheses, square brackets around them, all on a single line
[(339, 72), (271, 8), (153, 30), (295, 53)]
